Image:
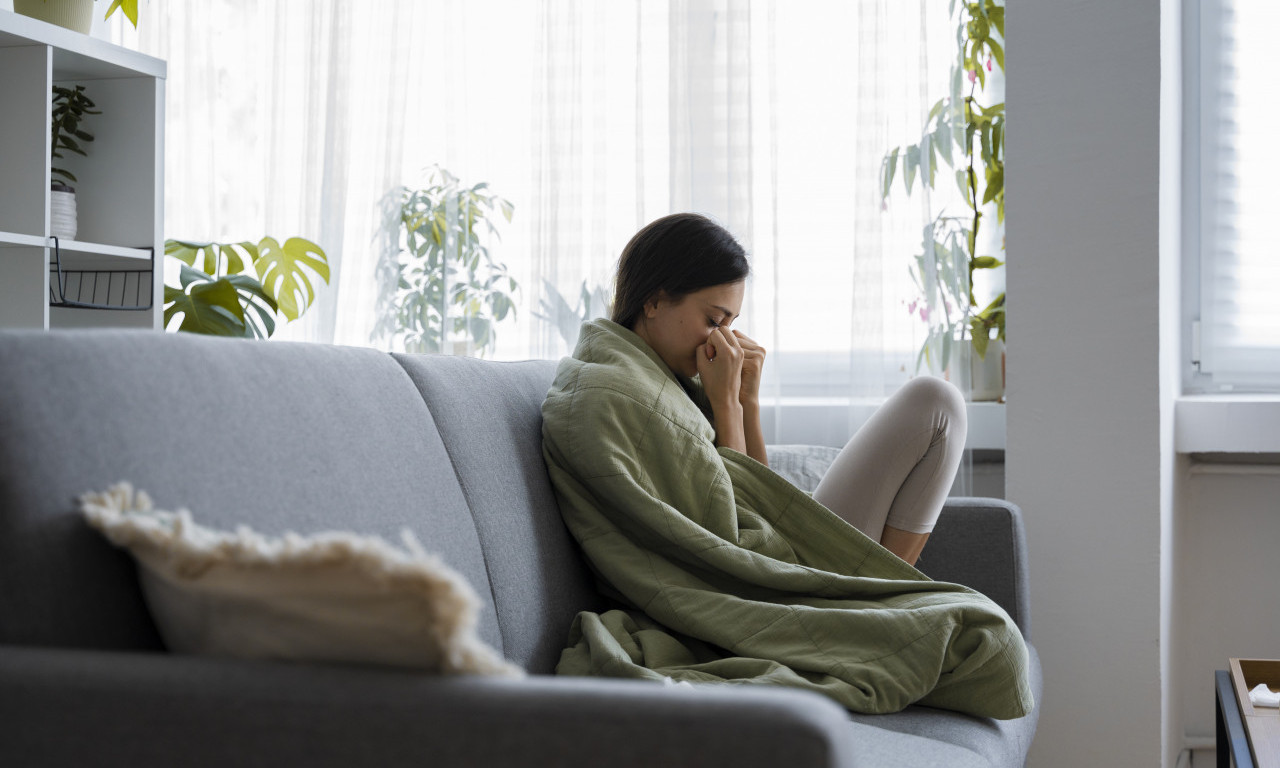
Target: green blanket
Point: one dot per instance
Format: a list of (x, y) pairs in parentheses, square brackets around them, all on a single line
[(738, 576)]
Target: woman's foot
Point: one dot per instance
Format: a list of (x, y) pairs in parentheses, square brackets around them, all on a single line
[(904, 544)]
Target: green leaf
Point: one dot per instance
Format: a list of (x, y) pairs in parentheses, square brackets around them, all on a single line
[(995, 185), (189, 253), (128, 7), (981, 338), (890, 168), (996, 14), (942, 140), (69, 143), (283, 277), (188, 275), (253, 297), (986, 262), (997, 52), (912, 165), (209, 308), (936, 110)]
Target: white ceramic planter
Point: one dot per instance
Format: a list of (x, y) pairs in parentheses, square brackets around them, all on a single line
[(62, 214), (987, 373), (73, 14)]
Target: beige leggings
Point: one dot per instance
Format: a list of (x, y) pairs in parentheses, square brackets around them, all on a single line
[(898, 468)]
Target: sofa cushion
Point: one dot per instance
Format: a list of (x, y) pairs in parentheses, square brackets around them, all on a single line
[(333, 596), (279, 436), (490, 416), (1002, 742)]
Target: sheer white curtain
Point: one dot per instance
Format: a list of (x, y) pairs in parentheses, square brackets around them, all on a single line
[(295, 117)]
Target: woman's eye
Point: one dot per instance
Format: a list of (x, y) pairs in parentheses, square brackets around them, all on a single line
[(712, 323)]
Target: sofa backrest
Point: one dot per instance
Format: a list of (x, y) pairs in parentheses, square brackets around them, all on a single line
[(490, 416), (277, 436)]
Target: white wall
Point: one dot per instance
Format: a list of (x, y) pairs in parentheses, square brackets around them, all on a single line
[(1084, 374), (1226, 578)]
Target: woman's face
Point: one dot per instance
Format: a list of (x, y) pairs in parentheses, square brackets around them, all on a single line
[(675, 329)]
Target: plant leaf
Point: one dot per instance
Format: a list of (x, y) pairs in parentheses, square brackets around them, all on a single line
[(253, 297), (890, 168), (211, 308), (128, 7), (981, 337), (283, 278)]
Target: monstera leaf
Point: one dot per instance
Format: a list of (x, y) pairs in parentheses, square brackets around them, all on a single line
[(280, 267), (212, 255), (215, 276), (207, 305)]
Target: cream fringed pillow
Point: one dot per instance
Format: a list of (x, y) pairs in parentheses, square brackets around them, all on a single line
[(332, 596)]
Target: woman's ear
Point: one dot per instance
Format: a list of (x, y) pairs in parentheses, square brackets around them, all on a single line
[(651, 304)]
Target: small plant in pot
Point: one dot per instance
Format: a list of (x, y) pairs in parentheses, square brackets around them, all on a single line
[(70, 105)]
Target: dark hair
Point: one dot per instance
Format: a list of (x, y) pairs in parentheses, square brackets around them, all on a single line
[(677, 255)]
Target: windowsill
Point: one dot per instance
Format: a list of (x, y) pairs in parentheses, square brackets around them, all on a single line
[(1227, 424), (831, 421)]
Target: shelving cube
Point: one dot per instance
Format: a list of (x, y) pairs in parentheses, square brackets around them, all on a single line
[(120, 193)]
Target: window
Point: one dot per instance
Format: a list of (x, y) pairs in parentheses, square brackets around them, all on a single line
[(1233, 170)]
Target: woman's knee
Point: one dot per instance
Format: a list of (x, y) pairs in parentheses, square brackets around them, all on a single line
[(928, 394)]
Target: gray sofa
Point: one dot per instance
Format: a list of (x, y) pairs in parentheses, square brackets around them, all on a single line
[(310, 437)]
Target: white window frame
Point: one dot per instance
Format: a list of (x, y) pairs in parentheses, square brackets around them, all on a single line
[(1208, 417), (1199, 57)]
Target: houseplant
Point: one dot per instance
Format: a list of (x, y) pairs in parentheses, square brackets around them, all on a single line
[(567, 320), (968, 136), (240, 289), (70, 105), (440, 289), (75, 15)]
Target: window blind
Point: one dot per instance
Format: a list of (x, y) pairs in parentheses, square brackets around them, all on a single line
[(1240, 194)]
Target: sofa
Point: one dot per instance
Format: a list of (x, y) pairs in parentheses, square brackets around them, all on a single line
[(310, 437)]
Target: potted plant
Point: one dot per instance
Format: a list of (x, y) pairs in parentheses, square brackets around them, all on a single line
[(440, 289), (76, 15), (70, 105), (968, 136), (567, 320), (240, 289)]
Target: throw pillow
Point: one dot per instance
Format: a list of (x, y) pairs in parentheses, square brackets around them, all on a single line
[(332, 596), (802, 465)]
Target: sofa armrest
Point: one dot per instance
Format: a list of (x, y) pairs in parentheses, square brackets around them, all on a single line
[(981, 543), (70, 707)]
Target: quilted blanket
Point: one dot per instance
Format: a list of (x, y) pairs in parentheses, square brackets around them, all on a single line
[(731, 574)]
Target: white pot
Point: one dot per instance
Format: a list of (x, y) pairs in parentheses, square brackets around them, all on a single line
[(987, 373), (62, 214), (76, 15)]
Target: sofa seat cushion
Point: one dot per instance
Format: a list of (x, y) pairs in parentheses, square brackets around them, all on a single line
[(1000, 742), (333, 596)]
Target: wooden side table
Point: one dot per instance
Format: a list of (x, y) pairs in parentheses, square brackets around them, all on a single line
[(1247, 736)]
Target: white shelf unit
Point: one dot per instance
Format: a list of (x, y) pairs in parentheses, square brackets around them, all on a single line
[(119, 195)]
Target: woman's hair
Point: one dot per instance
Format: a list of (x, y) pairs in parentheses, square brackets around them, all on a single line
[(676, 255)]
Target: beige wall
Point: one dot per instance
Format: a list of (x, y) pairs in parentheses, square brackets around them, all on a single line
[(1226, 578)]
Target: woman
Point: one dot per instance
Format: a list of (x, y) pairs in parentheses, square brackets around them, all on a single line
[(724, 570), (680, 287)]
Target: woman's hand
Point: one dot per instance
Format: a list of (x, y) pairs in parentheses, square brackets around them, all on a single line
[(752, 369), (720, 368)]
